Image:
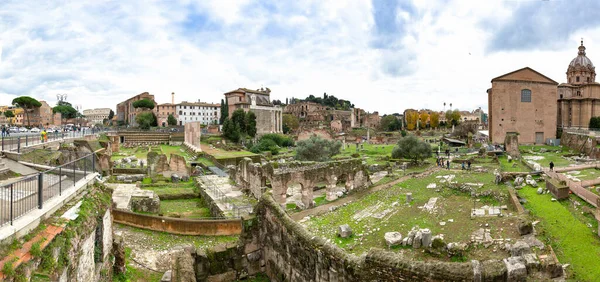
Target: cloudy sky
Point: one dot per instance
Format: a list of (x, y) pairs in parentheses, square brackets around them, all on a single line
[(383, 55)]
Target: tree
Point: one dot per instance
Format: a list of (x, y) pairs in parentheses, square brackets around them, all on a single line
[(111, 115), (434, 120), (224, 111), (289, 123), (231, 131), (144, 104), (411, 119), (66, 111), (317, 149), (145, 120), (464, 129), (9, 115), (28, 104), (251, 124), (239, 118), (411, 148), (390, 123), (423, 117), (452, 117), (171, 120), (595, 123)]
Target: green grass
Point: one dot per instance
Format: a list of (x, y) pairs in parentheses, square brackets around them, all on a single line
[(205, 162), (536, 148), (136, 273), (508, 167), (573, 242), (173, 189), (586, 174), (402, 217), (232, 154), (168, 150), (188, 208), (320, 201)]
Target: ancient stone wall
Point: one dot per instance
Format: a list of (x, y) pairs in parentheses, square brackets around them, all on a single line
[(275, 244), (306, 134), (581, 143), (193, 131), (178, 225), (253, 177)]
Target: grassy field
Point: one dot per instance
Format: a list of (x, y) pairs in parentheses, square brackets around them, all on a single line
[(374, 154), (573, 241), (188, 208), (508, 167), (402, 217), (585, 174), (174, 189)]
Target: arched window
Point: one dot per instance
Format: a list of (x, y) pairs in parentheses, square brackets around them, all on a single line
[(577, 79), (525, 95)]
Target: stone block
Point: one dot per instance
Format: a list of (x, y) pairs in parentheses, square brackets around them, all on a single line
[(344, 231), (515, 269), (520, 248), (531, 262), (175, 178), (166, 276), (426, 237), (417, 240), (525, 227), (393, 239)]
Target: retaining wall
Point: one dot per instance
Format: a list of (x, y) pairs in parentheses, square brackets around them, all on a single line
[(179, 225)]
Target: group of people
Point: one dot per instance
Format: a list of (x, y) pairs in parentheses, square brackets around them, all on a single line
[(5, 131), (468, 167), (440, 163)]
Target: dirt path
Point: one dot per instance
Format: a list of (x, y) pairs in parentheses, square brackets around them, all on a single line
[(325, 208)]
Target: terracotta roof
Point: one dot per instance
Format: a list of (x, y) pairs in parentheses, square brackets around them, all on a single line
[(522, 69), (246, 90)]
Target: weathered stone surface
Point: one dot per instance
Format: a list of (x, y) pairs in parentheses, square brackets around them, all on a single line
[(177, 164), (540, 190), (531, 262), (520, 248), (166, 276), (118, 249), (175, 178), (145, 201), (525, 227), (426, 237), (344, 231), (183, 267), (393, 239), (516, 269), (417, 240), (85, 265)]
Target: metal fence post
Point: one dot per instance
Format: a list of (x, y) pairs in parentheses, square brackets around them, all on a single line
[(19, 144), (26, 141), (2, 143), (11, 204), (74, 179), (84, 168), (93, 162), (60, 180), (40, 190)]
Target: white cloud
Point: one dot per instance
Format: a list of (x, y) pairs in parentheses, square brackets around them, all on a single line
[(101, 53)]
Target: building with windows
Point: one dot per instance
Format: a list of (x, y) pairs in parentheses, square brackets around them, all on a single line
[(522, 102), (96, 116), (268, 116), (204, 113), (578, 99)]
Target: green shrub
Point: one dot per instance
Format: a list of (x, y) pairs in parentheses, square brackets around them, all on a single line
[(356, 155), (36, 249), (8, 268), (317, 149)]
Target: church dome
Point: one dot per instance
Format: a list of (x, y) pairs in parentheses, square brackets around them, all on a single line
[(581, 70), (581, 59)]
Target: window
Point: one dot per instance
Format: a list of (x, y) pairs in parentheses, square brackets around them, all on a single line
[(577, 79), (525, 95), (578, 93), (588, 80)]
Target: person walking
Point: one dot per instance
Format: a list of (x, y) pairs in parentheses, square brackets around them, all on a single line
[(469, 165), (463, 165), (551, 166), (3, 130), (448, 164)]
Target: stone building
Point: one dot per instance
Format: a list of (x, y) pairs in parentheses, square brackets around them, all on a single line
[(126, 113), (523, 102), (39, 117), (162, 111), (268, 116), (205, 113), (312, 115), (579, 98), (95, 116)]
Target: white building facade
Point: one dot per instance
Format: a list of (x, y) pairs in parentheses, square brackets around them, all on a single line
[(204, 113)]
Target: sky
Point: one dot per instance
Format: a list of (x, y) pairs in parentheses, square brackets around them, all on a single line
[(383, 55)]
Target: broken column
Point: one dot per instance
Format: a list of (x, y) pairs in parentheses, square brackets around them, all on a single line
[(344, 231), (426, 237), (408, 198)]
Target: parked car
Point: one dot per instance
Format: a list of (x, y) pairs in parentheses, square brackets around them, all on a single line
[(23, 129), (13, 129), (35, 130)]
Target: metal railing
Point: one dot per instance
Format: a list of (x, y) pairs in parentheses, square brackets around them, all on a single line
[(24, 195), (16, 143), (237, 210)]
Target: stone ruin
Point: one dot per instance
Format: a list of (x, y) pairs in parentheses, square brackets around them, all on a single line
[(252, 177), (511, 146), (158, 163), (193, 132)]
